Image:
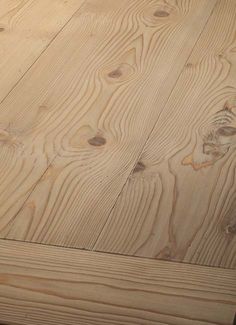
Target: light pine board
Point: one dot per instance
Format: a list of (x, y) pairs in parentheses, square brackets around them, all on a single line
[(83, 112), (179, 204), (44, 285), (27, 27)]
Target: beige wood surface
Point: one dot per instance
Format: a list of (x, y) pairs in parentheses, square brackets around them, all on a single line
[(117, 134), (179, 204), (83, 112), (44, 285), (27, 27)]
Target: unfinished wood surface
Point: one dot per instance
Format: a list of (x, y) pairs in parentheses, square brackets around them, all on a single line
[(26, 29), (50, 285), (180, 202), (81, 115)]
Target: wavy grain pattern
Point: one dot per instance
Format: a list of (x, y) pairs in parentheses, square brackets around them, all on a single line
[(180, 205), (68, 147), (45, 285)]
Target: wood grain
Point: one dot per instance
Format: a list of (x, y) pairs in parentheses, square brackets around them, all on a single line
[(44, 285), (179, 204), (27, 27), (88, 112)]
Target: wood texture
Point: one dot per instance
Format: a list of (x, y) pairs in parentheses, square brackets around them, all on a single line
[(45, 285), (179, 204), (74, 138), (27, 27), (118, 134)]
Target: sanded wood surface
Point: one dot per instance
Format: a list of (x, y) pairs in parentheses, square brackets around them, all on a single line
[(44, 285), (179, 204), (118, 135), (27, 27), (81, 115)]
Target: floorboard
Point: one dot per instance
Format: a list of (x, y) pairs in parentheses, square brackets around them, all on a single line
[(117, 162), (75, 138), (44, 285), (179, 204)]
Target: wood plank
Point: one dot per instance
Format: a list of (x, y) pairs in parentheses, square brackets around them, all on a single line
[(43, 285), (179, 204), (90, 111), (27, 27)]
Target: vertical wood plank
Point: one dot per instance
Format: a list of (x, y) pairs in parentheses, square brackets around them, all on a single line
[(179, 204)]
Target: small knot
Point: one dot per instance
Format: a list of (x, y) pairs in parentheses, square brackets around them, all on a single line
[(97, 141), (161, 13), (2, 29), (139, 167), (227, 131), (189, 65), (115, 73), (230, 229)]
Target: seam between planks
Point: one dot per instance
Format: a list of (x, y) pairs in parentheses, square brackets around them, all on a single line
[(20, 79), (7, 240), (141, 150), (43, 51)]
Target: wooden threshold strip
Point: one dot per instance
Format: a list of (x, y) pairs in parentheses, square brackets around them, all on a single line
[(42, 284)]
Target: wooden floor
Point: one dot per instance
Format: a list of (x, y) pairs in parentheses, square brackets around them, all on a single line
[(117, 162)]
